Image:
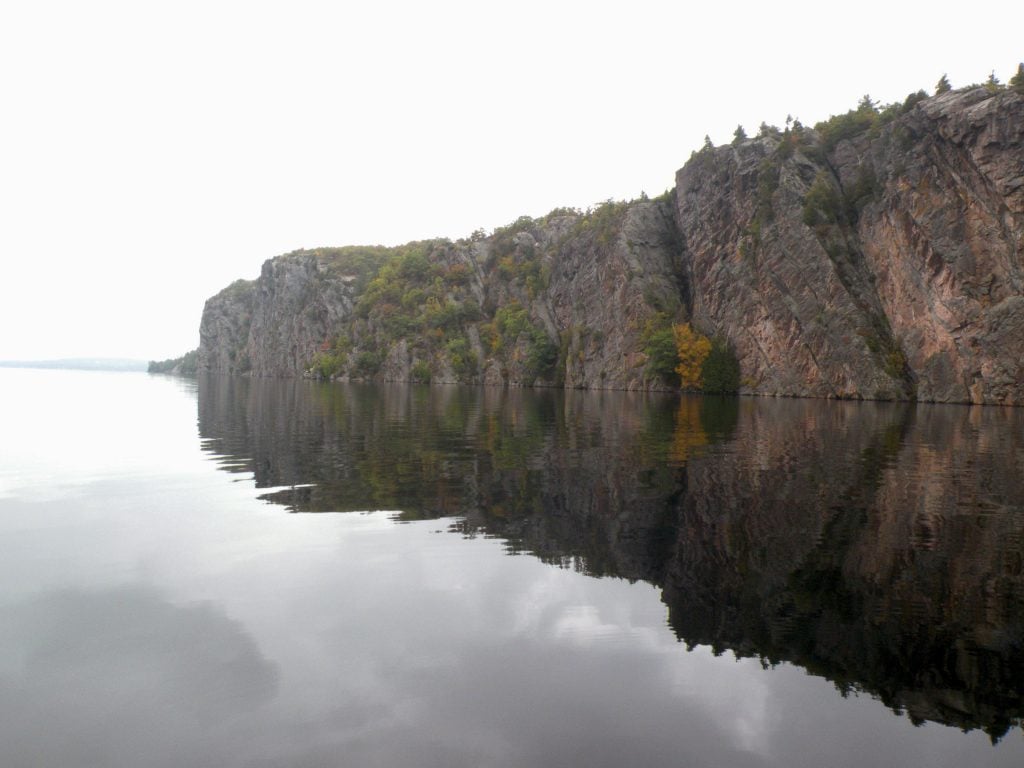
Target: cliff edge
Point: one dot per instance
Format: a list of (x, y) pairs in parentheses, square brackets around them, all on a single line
[(878, 255)]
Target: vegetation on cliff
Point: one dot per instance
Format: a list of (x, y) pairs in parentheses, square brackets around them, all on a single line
[(803, 261), (476, 308), (186, 365)]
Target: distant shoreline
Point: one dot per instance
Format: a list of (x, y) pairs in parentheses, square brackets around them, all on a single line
[(79, 364)]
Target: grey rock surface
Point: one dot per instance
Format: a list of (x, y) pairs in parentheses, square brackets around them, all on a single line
[(907, 281)]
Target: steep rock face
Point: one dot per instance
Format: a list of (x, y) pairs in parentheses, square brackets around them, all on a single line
[(907, 282), (274, 325), (561, 300), (601, 296), (298, 301), (946, 243), (224, 329), (802, 319), (880, 255)]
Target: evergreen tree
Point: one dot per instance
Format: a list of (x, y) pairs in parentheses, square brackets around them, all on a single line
[(1017, 81), (943, 85), (866, 104), (738, 135), (708, 146), (992, 84), (720, 371)]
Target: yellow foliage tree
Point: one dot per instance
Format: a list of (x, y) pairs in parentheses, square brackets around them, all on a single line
[(693, 349)]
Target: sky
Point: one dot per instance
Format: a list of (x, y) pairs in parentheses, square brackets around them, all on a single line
[(152, 153)]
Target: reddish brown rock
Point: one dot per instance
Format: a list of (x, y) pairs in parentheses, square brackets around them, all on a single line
[(882, 262)]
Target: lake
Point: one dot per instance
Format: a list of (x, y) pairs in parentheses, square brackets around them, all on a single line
[(288, 573)]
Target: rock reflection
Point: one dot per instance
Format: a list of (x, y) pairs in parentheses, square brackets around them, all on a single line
[(879, 546)]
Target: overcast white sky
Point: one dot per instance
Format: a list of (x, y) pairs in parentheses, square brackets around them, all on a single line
[(151, 153)]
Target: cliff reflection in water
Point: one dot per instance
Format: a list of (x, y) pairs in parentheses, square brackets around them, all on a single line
[(879, 546)]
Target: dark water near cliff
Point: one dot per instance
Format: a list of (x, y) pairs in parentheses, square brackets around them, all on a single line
[(521, 578)]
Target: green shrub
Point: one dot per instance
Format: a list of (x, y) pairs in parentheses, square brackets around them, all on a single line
[(721, 370), (503, 239), (509, 321), (822, 205), (414, 266), (895, 362), (397, 324), (863, 190), (368, 362), (420, 373), (325, 365), (787, 146), (542, 355), (603, 222), (853, 123), (441, 314), (462, 358), (659, 345)]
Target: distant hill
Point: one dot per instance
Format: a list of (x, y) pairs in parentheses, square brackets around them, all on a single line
[(80, 364)]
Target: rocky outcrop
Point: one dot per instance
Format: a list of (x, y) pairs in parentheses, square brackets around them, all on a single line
[(563, 300), (946, 243), (879, 255), (803, 320), (224, 329), (297, 302), (906, 280)]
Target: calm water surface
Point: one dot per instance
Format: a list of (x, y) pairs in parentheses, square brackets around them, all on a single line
[(239, 573)]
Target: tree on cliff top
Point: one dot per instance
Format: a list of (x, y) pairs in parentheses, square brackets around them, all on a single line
[(1017, 81), (943, 86)]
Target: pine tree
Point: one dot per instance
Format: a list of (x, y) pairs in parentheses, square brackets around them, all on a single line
[(721, 370), (1017, 81), (943, 85), (738, 135), (992, 84)]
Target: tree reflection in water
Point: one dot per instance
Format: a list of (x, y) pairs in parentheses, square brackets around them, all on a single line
[(876, 545)]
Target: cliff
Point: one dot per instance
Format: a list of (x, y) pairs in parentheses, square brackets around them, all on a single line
[(879, 255)]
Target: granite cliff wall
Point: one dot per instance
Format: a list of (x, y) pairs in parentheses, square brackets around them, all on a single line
[(880, 255)]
